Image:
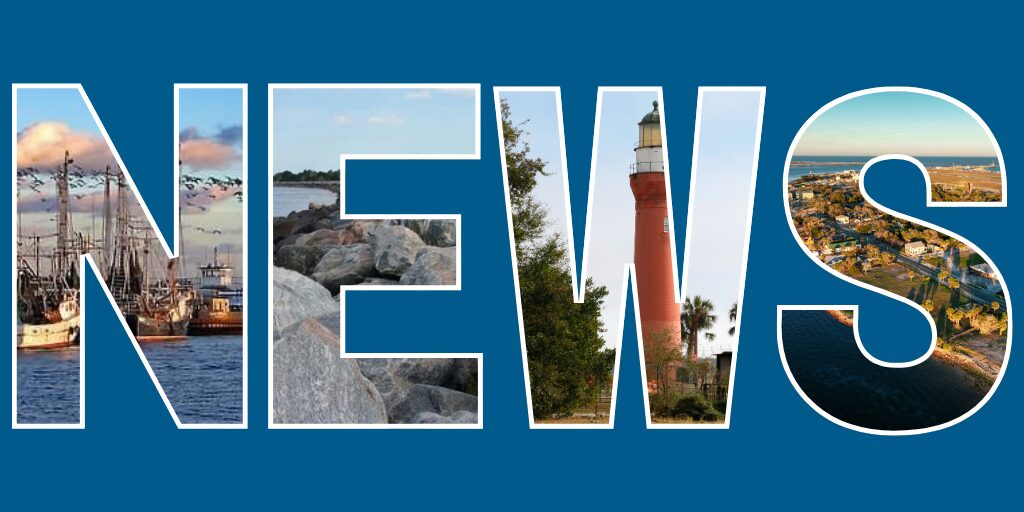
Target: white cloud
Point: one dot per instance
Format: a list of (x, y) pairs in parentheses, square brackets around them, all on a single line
[(342, 119), (419, 94), (387, 119)]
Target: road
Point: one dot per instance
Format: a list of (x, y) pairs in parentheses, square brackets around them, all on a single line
[(969, 289)]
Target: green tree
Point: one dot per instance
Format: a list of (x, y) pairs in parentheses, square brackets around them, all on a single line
[(697, 317), (954, 315), (567, 361), (953, 283), (928, 305), (733, 314)]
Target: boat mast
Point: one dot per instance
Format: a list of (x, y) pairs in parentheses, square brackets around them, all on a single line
[(63, 217)]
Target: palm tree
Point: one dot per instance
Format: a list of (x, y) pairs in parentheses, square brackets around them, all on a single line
[(733, 314), (696, 317)]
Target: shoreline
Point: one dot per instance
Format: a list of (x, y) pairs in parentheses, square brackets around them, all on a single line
[(969, 368)]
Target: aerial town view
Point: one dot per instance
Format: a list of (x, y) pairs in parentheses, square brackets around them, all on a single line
[(956, 285), (75, 199)]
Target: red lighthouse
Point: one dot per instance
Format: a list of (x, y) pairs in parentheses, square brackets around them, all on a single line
[(652, 250)]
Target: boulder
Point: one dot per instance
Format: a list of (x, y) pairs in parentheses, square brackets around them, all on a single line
[(378, 281), (396, 249), (424, 398), (399, 382), (436, 232), (301, 259), (321, 237), (433, 266), (313, 384), (344, 265), (297, 297), (458, 417)]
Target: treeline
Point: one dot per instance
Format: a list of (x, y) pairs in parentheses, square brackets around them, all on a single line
[(307, 175)]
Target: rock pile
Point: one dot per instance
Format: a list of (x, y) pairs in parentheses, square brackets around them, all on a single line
[(336, 252), (313, 384)]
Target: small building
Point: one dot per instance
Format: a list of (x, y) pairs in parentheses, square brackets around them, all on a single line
[(842, 219), (915, 248), (983, 270), (803, 194), (723, 366)]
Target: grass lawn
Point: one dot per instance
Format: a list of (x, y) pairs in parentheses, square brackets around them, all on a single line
[(894, 279)]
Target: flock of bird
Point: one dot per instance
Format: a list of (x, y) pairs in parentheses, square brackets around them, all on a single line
[(193, 187)]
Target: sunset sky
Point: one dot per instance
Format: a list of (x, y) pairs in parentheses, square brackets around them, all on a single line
[(52, 120)]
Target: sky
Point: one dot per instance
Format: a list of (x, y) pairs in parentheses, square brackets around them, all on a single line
[(726, 153), (312, 127), (886, 122), (52, 120)]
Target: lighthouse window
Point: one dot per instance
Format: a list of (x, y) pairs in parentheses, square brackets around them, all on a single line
[(666, 224)]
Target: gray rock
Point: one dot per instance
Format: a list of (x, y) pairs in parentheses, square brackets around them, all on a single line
[(396, 249), (321, 237), (345, 265), (436, 232), (433, 266), (399, 379), (298, 258), (424, 398), (378, 281), (313, 384), (297, 297), (459, 417)]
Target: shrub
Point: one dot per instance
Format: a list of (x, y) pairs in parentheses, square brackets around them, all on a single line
[(696, 407), (663, 403)]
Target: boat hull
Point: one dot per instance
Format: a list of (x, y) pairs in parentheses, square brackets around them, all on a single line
[(146, 328), (62, 334), (207, 324)]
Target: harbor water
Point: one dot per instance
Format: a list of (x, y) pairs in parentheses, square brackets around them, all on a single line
[(202, 377), (830, 369)]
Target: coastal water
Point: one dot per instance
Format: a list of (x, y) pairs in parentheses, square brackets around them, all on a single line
[(202, 377), (833, 164), (830, 369), (48, 389), (294, 199)]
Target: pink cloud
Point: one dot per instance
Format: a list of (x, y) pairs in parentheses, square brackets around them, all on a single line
[(207, 154), (43, 145)]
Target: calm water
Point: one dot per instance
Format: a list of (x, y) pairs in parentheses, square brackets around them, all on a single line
[(928, 161), (294, 199), (202, 377), (48, 386), (830, 369)]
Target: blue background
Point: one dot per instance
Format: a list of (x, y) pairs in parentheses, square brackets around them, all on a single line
[(778, 449)]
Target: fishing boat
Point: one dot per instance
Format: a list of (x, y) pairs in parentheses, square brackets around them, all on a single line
[(48, 311), (153, 310), (218, 309)]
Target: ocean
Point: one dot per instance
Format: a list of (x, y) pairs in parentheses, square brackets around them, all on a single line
[(202, 377), (829, 367), (832, 164), (294, 199)]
